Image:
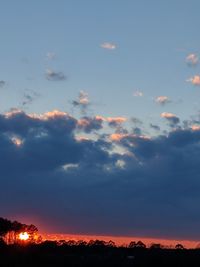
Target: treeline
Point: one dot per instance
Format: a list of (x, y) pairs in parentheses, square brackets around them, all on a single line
[(96, 253)]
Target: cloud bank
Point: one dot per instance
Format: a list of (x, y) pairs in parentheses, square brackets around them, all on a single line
[(53, 167)]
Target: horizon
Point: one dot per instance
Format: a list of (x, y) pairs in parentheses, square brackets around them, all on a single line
[(122, 240)]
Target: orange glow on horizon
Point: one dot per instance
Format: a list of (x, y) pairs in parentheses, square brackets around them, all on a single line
[(122, 240), (24, 236)]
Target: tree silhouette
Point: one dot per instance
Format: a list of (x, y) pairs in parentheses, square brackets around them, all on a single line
[(5, 226), (179, 246), (138, 244)]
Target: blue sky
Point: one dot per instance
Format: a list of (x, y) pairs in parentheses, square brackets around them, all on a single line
[(124, 77), (152, 40)]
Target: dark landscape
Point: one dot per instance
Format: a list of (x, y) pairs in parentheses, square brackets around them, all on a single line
[(95, 253), (30, 252)]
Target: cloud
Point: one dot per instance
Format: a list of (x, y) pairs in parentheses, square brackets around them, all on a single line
[(116, 121), (136, 121), (162, 100), (82, 102), (29, 97), (172, 118), (192, 60), (138, 93), (88, 124), (109, 46), (195, 127), (52, 75), (51, 55), (155, 127), (195, 80), (88, 186), (117, 136), (2, 83)]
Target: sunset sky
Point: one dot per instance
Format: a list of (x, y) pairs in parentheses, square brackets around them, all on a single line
[(100, 116)]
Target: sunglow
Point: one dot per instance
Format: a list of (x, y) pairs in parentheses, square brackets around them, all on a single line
[(24, 236)]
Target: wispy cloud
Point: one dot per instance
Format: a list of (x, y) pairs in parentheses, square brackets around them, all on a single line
[(28, 97), (162, 100), (138, 93), (82, 101), (195, 80), (109, 46), (192, 60), (2, 83), (52, 75), (51, 55)]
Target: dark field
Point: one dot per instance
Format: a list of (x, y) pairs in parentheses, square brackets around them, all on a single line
[(52, 254)]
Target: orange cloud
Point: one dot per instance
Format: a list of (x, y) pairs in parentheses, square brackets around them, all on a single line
[(100, 118), (195, 80), (83, 122), (13, 112), (168, 115), (117, 136), (117, 120), (54, 114), (195, 127), (17, 141)]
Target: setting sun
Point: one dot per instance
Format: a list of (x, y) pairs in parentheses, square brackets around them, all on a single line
[(24, 236)]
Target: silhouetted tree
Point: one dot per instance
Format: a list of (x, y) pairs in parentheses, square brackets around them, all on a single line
[(110, 244), (81, 243), (97, 243), (5, 226), (138, 244), (179, 246)]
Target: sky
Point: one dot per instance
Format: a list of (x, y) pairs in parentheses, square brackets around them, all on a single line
[(100, 117)]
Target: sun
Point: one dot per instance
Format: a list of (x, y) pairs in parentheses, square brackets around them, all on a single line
[(24, 236)]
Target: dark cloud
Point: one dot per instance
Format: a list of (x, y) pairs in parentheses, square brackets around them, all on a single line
[(137, 131), (136, 121), (29, 97), (88, 124), (52, 75), (155, 127), (88, 186), (172, 119), (116, 122)]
